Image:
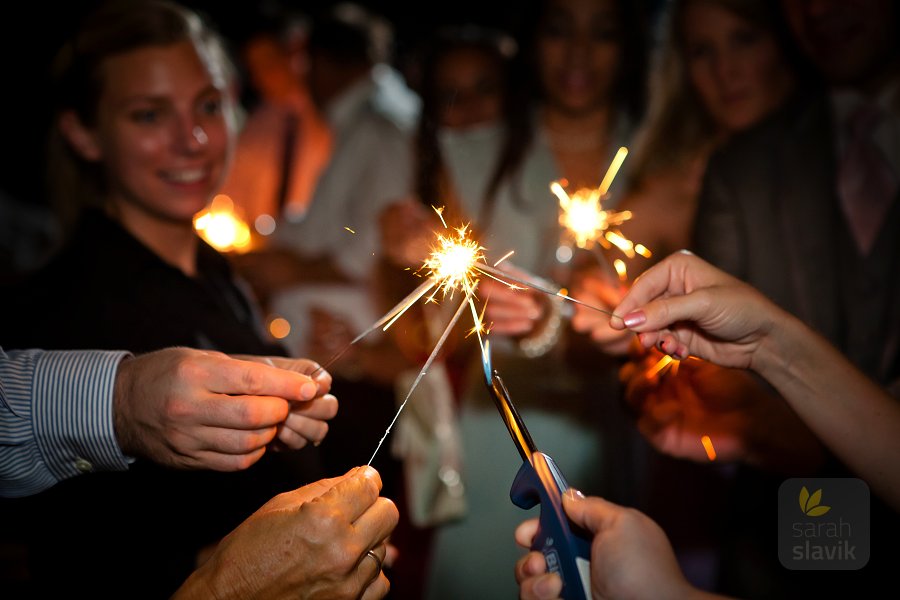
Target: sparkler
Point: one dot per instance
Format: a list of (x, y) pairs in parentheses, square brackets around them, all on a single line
[(455, 264), (589, 225)]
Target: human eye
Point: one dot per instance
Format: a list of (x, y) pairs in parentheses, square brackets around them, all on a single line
[(211, 106), (145, 115)]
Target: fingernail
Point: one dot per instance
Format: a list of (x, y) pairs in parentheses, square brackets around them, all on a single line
[(309, 390), (634, 319), (574, 494)]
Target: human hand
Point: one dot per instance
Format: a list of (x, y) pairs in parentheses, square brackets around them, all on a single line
[(675, 409), (595, 289), (685, 306), (192, 409), (508, 311), (307, 420), (406, 232), (630, 555), (309, 543), (745, 420)]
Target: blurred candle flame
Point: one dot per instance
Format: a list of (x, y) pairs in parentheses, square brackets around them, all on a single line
[(221, 227)]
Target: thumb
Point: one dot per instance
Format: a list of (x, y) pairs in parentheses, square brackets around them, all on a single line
[(593, 513)]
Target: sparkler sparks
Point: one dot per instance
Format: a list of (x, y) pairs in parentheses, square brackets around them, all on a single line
[(708, 446), (456, 263), (588, 224)]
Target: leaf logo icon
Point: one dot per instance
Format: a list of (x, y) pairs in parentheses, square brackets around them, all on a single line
[(809, 503)]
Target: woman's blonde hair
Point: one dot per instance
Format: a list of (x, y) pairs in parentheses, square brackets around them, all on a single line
[(677, 127)]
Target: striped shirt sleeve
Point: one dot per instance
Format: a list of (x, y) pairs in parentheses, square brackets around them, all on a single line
[(56, 417)]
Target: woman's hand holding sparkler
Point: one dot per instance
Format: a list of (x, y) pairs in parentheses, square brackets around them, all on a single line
[(684, 305)]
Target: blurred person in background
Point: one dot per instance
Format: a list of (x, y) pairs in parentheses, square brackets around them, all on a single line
[(803, 207), (581, 70), (720, 68), (284, 142), (317, 269), (464, 73)]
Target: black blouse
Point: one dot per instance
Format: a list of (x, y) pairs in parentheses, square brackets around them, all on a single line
[(136, 533)]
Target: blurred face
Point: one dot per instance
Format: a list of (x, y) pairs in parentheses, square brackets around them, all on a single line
[(735, 66), (851, 41), (270, 69), (578, 53), (469, 87), (161, 132)]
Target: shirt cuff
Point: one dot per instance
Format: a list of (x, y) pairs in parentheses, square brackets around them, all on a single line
[(73, 412)]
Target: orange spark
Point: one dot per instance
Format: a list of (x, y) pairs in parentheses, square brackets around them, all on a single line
[(708, 446)]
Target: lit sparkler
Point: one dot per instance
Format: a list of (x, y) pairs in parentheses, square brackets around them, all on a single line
[(455, 264), (588, 224)]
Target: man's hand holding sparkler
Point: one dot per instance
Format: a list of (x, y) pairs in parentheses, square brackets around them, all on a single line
[(325, 540), (192, 409)]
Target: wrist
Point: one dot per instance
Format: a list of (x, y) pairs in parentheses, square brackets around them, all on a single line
[(777, 348), (121, 420)]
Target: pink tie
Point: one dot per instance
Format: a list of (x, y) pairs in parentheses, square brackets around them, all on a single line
[(866, 183)]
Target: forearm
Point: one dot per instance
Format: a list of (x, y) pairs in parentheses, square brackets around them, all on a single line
[(853, 416)]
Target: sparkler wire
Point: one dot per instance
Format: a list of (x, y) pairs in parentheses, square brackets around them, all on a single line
[(391, 315), (426, 366), (503, 276)]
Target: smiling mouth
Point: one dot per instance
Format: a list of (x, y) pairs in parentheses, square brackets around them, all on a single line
[(185, 175)]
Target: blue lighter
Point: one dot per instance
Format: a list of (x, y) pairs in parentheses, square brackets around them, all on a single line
[(566, 548)]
